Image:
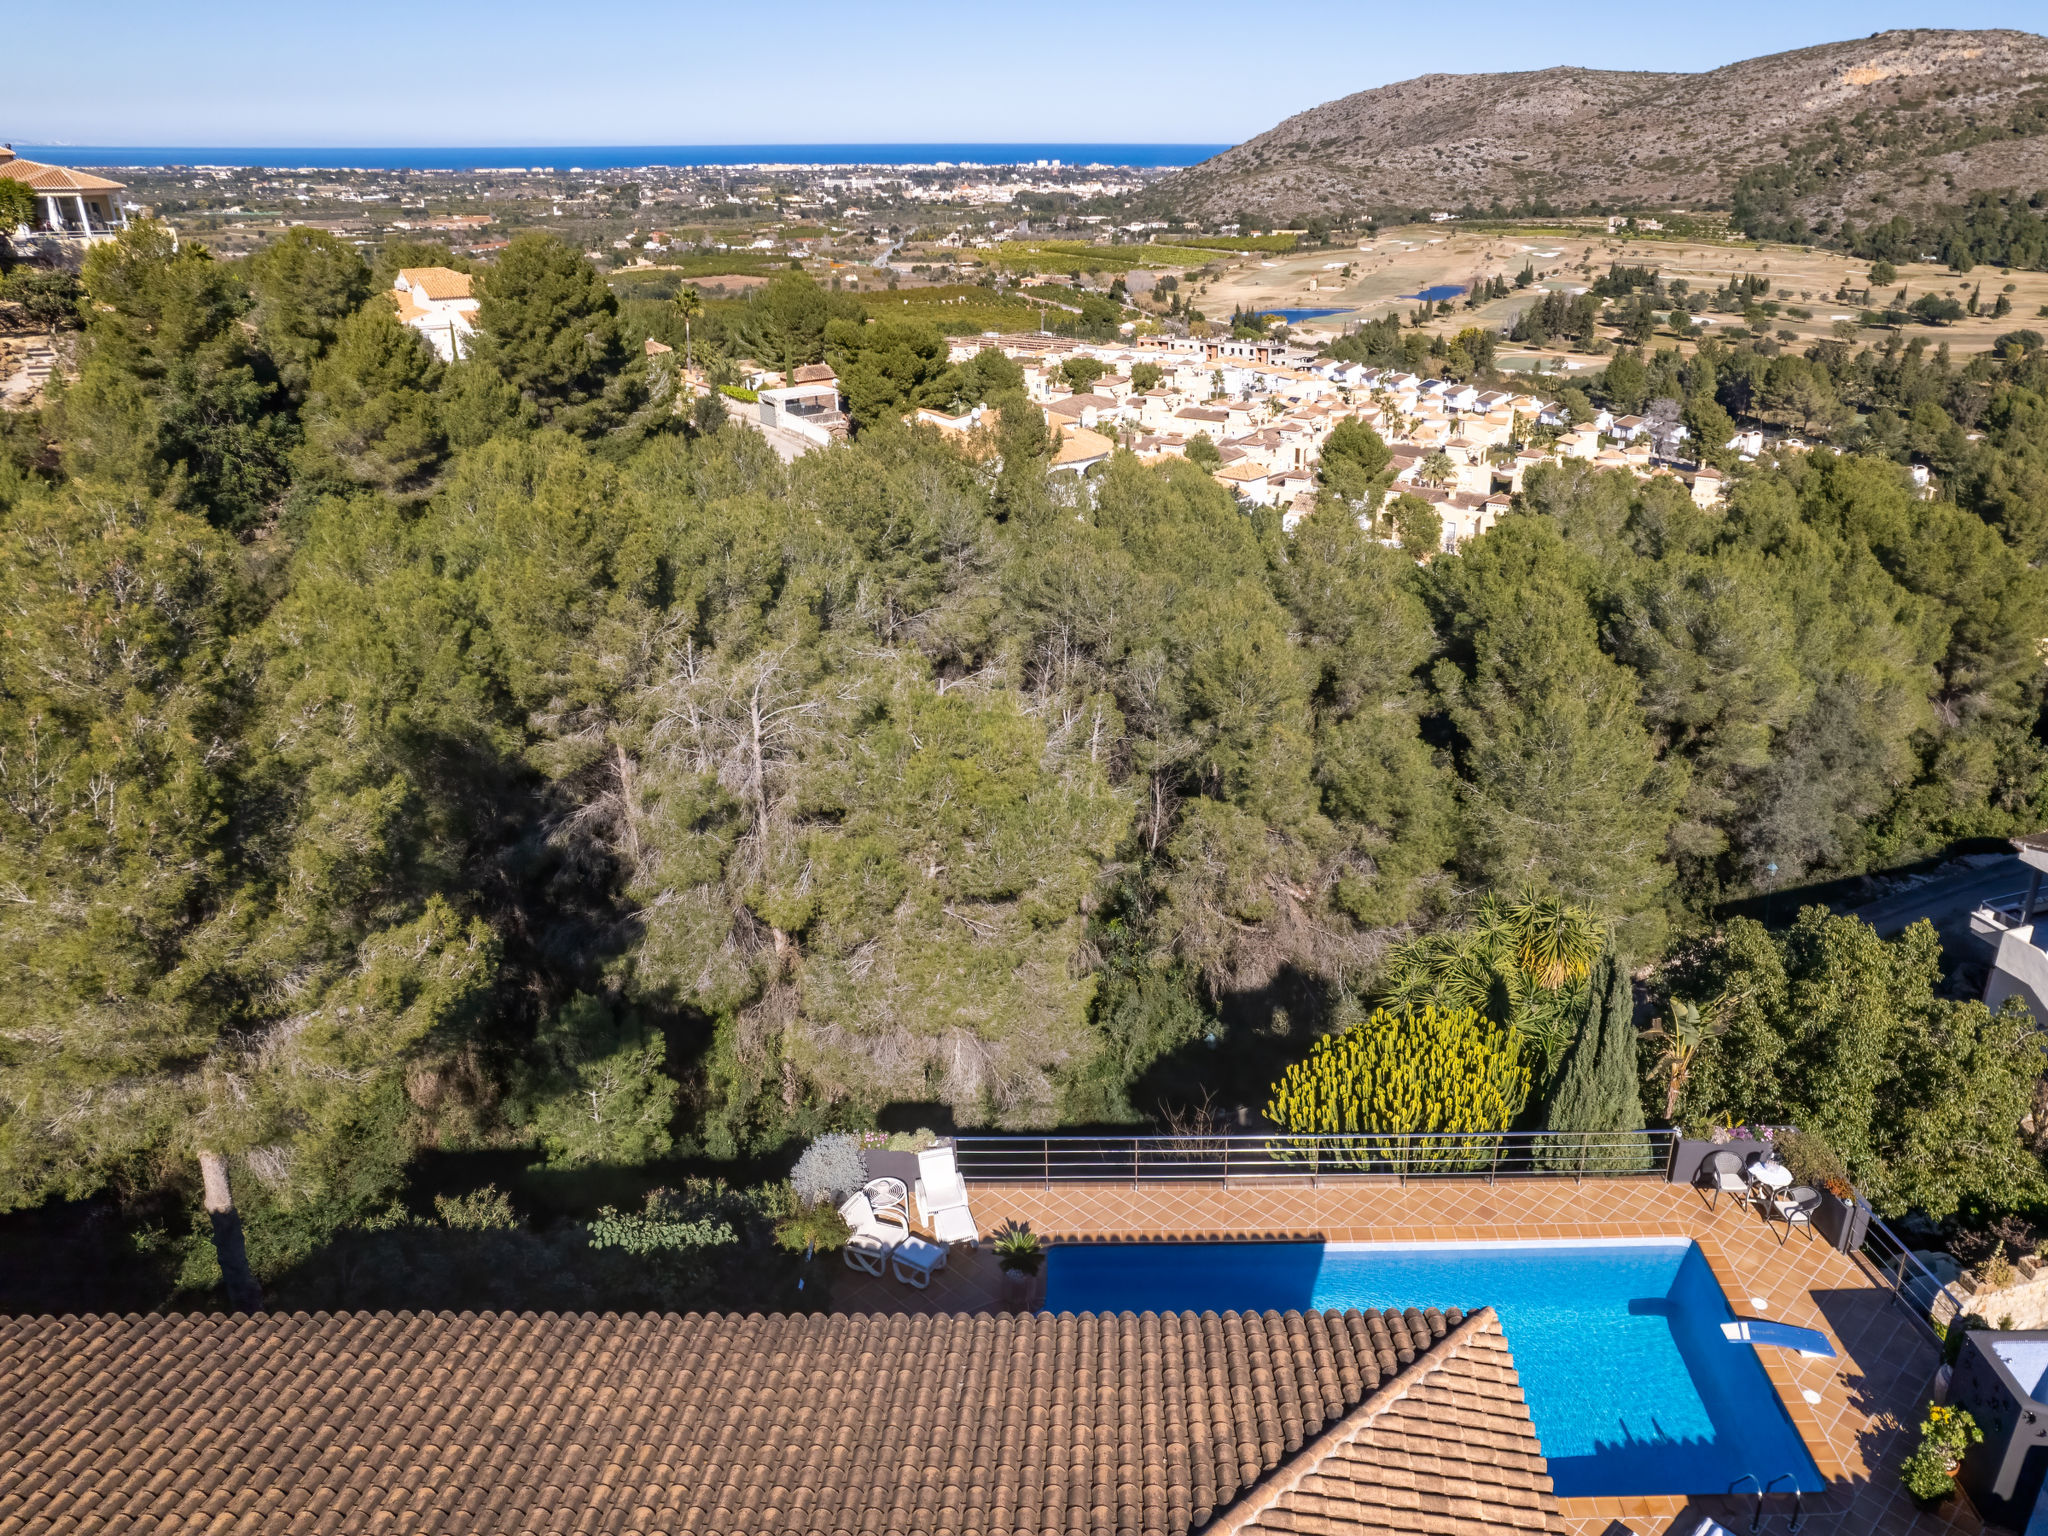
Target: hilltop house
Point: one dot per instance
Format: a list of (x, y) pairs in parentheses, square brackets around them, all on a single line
[(70, 205), (436, 302)]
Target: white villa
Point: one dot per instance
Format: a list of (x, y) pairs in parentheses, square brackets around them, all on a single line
[(436, 302), (70, 204)]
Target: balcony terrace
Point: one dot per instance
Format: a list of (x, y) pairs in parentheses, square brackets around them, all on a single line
[(1857, 1413)]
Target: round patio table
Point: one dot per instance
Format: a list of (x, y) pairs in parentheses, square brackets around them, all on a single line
[(885, 1194), (1767, 1176)]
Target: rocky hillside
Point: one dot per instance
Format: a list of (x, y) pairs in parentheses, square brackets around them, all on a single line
[(1890, 122)]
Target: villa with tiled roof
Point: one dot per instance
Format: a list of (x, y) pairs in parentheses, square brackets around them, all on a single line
[(1094, 1425), (70, 204)]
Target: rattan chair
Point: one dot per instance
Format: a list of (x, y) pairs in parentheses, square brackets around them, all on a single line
[(1796, 1204), (1721, 1173)]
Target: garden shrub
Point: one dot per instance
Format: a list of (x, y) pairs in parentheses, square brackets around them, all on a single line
[(829, 1170)]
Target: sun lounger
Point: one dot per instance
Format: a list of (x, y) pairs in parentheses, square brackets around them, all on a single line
[(913, 1261), (942, 1198), (876, 1234)]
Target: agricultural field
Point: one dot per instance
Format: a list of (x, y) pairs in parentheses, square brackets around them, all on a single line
[(1389, 270), (959, 309), (1066, 255)]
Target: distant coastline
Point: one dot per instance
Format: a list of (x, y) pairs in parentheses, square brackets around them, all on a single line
[(529, 158)]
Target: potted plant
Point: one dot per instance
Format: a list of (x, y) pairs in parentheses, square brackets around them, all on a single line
[(1021, 1256), (1930, 1472), (1842, 1219)]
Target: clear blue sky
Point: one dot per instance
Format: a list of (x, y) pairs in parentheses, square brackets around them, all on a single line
[(462, 72)]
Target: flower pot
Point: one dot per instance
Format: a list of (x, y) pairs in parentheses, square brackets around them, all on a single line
[(1842, 1222), (1019, 1291), (1687, 1157)]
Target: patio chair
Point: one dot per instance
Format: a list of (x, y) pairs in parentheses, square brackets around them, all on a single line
[(942, 1198), (876, 1234), (1721, 1172), (1796, 1204)]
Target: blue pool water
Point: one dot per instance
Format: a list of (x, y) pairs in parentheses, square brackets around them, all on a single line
[(1440, 291), (1632, 1388), (1296, 316)]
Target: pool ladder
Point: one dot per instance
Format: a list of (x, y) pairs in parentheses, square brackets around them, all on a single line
[(1756, 1521)]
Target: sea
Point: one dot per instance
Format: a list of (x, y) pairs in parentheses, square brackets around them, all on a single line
[(588, 157)]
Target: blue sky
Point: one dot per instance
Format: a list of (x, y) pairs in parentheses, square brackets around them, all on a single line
[(461, 72)]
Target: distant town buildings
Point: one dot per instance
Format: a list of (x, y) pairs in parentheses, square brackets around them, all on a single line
[(1267, 410)]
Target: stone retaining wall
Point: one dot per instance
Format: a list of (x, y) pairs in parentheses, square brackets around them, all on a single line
[(2025, 1301)]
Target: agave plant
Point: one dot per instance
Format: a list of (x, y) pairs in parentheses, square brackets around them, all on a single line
[(1018, 1249)]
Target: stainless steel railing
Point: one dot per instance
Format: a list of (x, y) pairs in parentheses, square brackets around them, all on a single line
[(1912, 1284), (1239, 1157)]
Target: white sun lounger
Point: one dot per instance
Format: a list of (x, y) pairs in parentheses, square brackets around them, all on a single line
[(913, 1260), (942, 1198), (876, 1234)]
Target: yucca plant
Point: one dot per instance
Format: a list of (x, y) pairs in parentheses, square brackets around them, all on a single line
[(1522, 963), (1018, 1249), (1555, 942)]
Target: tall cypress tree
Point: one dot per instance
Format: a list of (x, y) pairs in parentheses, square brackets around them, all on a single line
[(1596, 1087)]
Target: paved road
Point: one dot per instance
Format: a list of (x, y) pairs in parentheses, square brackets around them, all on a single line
[(1948, 898)]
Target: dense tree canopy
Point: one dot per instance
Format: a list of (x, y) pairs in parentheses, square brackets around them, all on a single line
[(399, 757)]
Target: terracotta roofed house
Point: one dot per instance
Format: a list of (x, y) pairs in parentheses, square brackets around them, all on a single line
[(1081, 449), (436, 302), (69, 204), (1061, 1425)]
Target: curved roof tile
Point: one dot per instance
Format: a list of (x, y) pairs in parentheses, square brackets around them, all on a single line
[(969, 1425)]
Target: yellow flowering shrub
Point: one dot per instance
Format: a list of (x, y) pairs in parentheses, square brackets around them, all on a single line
[(1404, 1074)]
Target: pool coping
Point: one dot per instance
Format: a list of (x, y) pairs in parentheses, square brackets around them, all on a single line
[(1790, 1393), (1404, 1245), (1855, 1434), (1805, 1422)]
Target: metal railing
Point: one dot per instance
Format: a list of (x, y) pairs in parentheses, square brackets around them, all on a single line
[(1228, 1158), (1895, 1266)]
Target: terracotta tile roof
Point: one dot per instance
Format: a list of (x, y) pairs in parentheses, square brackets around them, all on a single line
[(1082, 447), (1444, 1449), (56, 178), (437, 282), (816, 373), (1085, 1424), (1074, 405)]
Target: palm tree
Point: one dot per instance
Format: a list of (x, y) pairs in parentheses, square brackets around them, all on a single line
[(689, 304), (1682, 1034), (1522, 963), (1555, 941)]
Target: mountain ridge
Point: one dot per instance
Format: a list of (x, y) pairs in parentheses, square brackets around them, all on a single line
[(1862, 128)]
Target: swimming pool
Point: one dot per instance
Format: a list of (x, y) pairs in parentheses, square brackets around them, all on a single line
[(1296, 316), (1632, 1388)]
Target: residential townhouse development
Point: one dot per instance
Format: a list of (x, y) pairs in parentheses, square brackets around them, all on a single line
[(1268, 412)]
